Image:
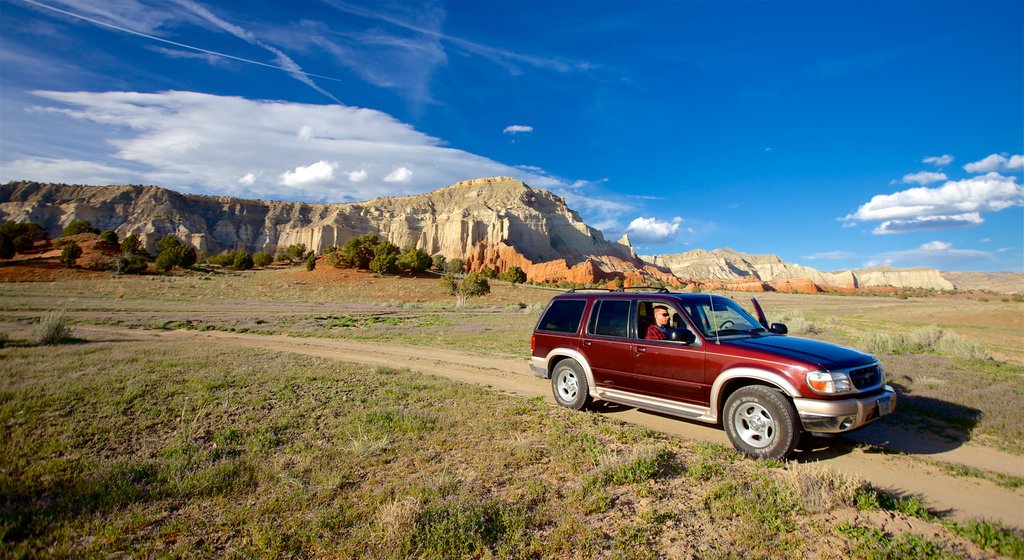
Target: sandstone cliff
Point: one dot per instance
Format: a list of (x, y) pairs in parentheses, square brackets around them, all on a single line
[(731, 269), (497, 222)]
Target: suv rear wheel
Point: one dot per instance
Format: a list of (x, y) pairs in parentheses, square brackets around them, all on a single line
[(761, 422), (569, 385)]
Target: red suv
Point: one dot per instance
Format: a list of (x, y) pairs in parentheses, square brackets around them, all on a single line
[(703, 357)]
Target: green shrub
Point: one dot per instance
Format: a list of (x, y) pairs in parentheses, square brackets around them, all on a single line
[(359, 251), (110, 236), (132, 245), (456, 266), (311, 262), (52, 328), (513, 274), (474, 285), (385, 257), (224, 258), (262, 258), (296, 252), (22, 244), (131, 264), (414, 260), (70, 254), (449, 286), (6, 247), (438, 261), (76, 227), (242, 260)]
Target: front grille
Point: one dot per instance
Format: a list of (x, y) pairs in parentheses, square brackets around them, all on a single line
[(866, 377)]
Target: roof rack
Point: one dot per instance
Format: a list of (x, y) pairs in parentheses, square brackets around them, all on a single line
[(658, 289)]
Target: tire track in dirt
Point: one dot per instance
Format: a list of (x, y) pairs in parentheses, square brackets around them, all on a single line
[(963, 498)]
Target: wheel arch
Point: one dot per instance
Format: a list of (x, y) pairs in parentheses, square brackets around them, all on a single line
[(559, 354), (731, 380)]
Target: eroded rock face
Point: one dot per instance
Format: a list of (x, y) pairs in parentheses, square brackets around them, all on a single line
[(496, 222)]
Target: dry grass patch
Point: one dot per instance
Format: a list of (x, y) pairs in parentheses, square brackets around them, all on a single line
[(145, 449)]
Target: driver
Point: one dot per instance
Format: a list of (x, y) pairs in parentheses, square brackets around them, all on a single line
[(659, 329)]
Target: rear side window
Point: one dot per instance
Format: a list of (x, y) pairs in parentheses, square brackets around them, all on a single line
[(563, 315), (611, 319)]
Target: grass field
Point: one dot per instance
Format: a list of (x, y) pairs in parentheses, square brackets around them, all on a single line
[(143, 449), (147, 448)]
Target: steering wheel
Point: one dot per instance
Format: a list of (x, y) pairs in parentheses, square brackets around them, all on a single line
[(725, 324)]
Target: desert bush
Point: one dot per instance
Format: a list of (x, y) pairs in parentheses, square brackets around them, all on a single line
[(22, 244), (70, 254), (798, 324), (32, 230), (52, 328), (513, 274), (449, 285), (224, 258), (296, 252), (414, 260), (955, 345), (438, 262), (242, 260), (385, 257), (926, 338), (311, 262), (456, 266), (110, 236), (334, 259), (487, 272), (475, 285), (262, 258), (132, 245), (78, 226), (359, 251), (821, 489), (6, 247), (131, 264)]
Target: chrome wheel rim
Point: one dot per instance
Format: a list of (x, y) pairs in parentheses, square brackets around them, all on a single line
[(754, 425), (567, 385)]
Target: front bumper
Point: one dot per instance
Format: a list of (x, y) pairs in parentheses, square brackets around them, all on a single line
[(832, 417), (539, 366)]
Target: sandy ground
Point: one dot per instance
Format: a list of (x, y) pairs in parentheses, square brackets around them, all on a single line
[(896, 469)]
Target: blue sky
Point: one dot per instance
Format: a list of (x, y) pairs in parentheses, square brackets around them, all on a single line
[(835, 135)]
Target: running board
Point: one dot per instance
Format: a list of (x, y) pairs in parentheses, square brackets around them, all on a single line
[(664, 406)]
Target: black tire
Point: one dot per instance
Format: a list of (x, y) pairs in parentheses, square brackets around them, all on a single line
[(761, 422), (569, 385)]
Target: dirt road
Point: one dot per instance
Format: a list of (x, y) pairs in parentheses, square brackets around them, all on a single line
[(896, 470)]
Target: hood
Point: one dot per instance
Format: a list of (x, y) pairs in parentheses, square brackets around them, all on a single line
[(825, 355)]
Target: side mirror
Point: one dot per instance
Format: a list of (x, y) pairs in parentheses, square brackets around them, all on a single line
[(681, 335), (779, 328)]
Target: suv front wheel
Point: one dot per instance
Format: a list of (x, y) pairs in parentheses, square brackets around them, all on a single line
[(569, 385), (761, 422)]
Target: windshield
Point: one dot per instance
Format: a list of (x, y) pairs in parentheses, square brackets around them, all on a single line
[(718, 316)]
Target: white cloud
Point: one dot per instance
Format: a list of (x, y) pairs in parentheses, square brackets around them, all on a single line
[(399, 175), (517, 128), (248, 179), (944, 159), (955, 204), (936, 254), (306, 132), (127, 137), (313, 173), (996, 162), (652, 230), (924, 177), (836, 255)]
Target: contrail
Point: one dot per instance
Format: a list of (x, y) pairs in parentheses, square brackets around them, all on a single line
[(182, 45)]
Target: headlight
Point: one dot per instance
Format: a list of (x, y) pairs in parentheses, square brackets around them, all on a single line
[(829, 383)]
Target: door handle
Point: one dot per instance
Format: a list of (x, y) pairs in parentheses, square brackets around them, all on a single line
[(586, 343), (641, 349)]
